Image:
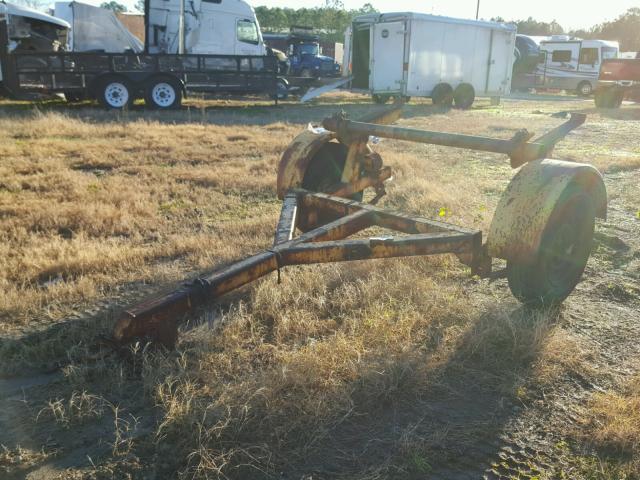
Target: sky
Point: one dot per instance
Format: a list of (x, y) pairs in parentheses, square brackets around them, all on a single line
[(571, 14)]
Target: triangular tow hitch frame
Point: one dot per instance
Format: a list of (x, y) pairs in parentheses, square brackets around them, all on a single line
[(157, 318)]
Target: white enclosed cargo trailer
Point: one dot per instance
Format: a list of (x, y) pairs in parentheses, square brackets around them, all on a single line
[(413, 54)]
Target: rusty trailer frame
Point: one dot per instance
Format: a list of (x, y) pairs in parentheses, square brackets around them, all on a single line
[(329, 214)]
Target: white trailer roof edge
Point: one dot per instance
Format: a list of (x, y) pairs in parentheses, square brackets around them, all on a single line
[(395, 16), (20, 11)]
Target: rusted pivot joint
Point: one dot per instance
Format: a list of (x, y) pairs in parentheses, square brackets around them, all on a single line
[(519, 149)]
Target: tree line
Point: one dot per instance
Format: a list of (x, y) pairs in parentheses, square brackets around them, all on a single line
[(332, 20), (624, 29)]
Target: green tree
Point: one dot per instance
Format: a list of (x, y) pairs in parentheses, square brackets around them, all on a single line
[(530, 26), (113, 5), (331, 20), (624, 29)]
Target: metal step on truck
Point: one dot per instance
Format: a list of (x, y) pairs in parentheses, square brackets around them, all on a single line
[(116, 80)]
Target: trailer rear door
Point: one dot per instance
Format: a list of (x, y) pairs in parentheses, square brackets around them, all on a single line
[(387, 72), (498, 80)]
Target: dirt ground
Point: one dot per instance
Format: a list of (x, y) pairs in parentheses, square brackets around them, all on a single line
[(404, 368)]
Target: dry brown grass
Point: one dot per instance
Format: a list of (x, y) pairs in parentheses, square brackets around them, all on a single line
[(615, 420), (284, 377), (330, 347), (86, 207)]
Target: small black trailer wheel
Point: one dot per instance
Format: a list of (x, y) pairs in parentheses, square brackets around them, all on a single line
[(323, 173), (380, 99), (115, 93), (464, 96), (442, 95), (163, 93), (555, 269)]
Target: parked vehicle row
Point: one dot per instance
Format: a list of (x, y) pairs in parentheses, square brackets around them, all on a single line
[(218, 47), (161, 76)]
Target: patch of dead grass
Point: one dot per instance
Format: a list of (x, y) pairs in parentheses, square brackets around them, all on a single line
[(615, 420)]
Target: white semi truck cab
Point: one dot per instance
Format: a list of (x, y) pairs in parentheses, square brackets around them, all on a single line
[(222, 27)]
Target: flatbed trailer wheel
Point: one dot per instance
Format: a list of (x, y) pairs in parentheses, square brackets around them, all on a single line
[(115, 93), (556, 267), (323, 173), (163, 94)]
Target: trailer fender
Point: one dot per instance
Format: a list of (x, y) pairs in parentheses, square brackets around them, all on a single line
[(528, 202), (297, 156)]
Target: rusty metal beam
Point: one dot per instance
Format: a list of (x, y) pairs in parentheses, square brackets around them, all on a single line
[(345, 127), (518, 148), (371, 248)]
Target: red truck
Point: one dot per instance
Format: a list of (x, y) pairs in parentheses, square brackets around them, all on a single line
[(619, 80)]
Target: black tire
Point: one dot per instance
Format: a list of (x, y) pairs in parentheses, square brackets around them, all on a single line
[(464, 96), (380, 99), (323, 173), (442, 95), (555, 269), (163, 93), (115, 93), (609, 98), (584, 89), (306, 73), (600, 99)]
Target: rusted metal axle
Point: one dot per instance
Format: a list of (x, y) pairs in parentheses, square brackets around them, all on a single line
[(518, 148)]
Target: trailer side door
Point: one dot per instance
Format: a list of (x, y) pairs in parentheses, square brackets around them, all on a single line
[(387, 61)]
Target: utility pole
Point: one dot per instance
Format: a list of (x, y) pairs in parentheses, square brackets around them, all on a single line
[(478, 10)]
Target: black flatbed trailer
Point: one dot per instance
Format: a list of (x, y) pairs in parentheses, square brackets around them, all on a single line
[(117, 79)]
